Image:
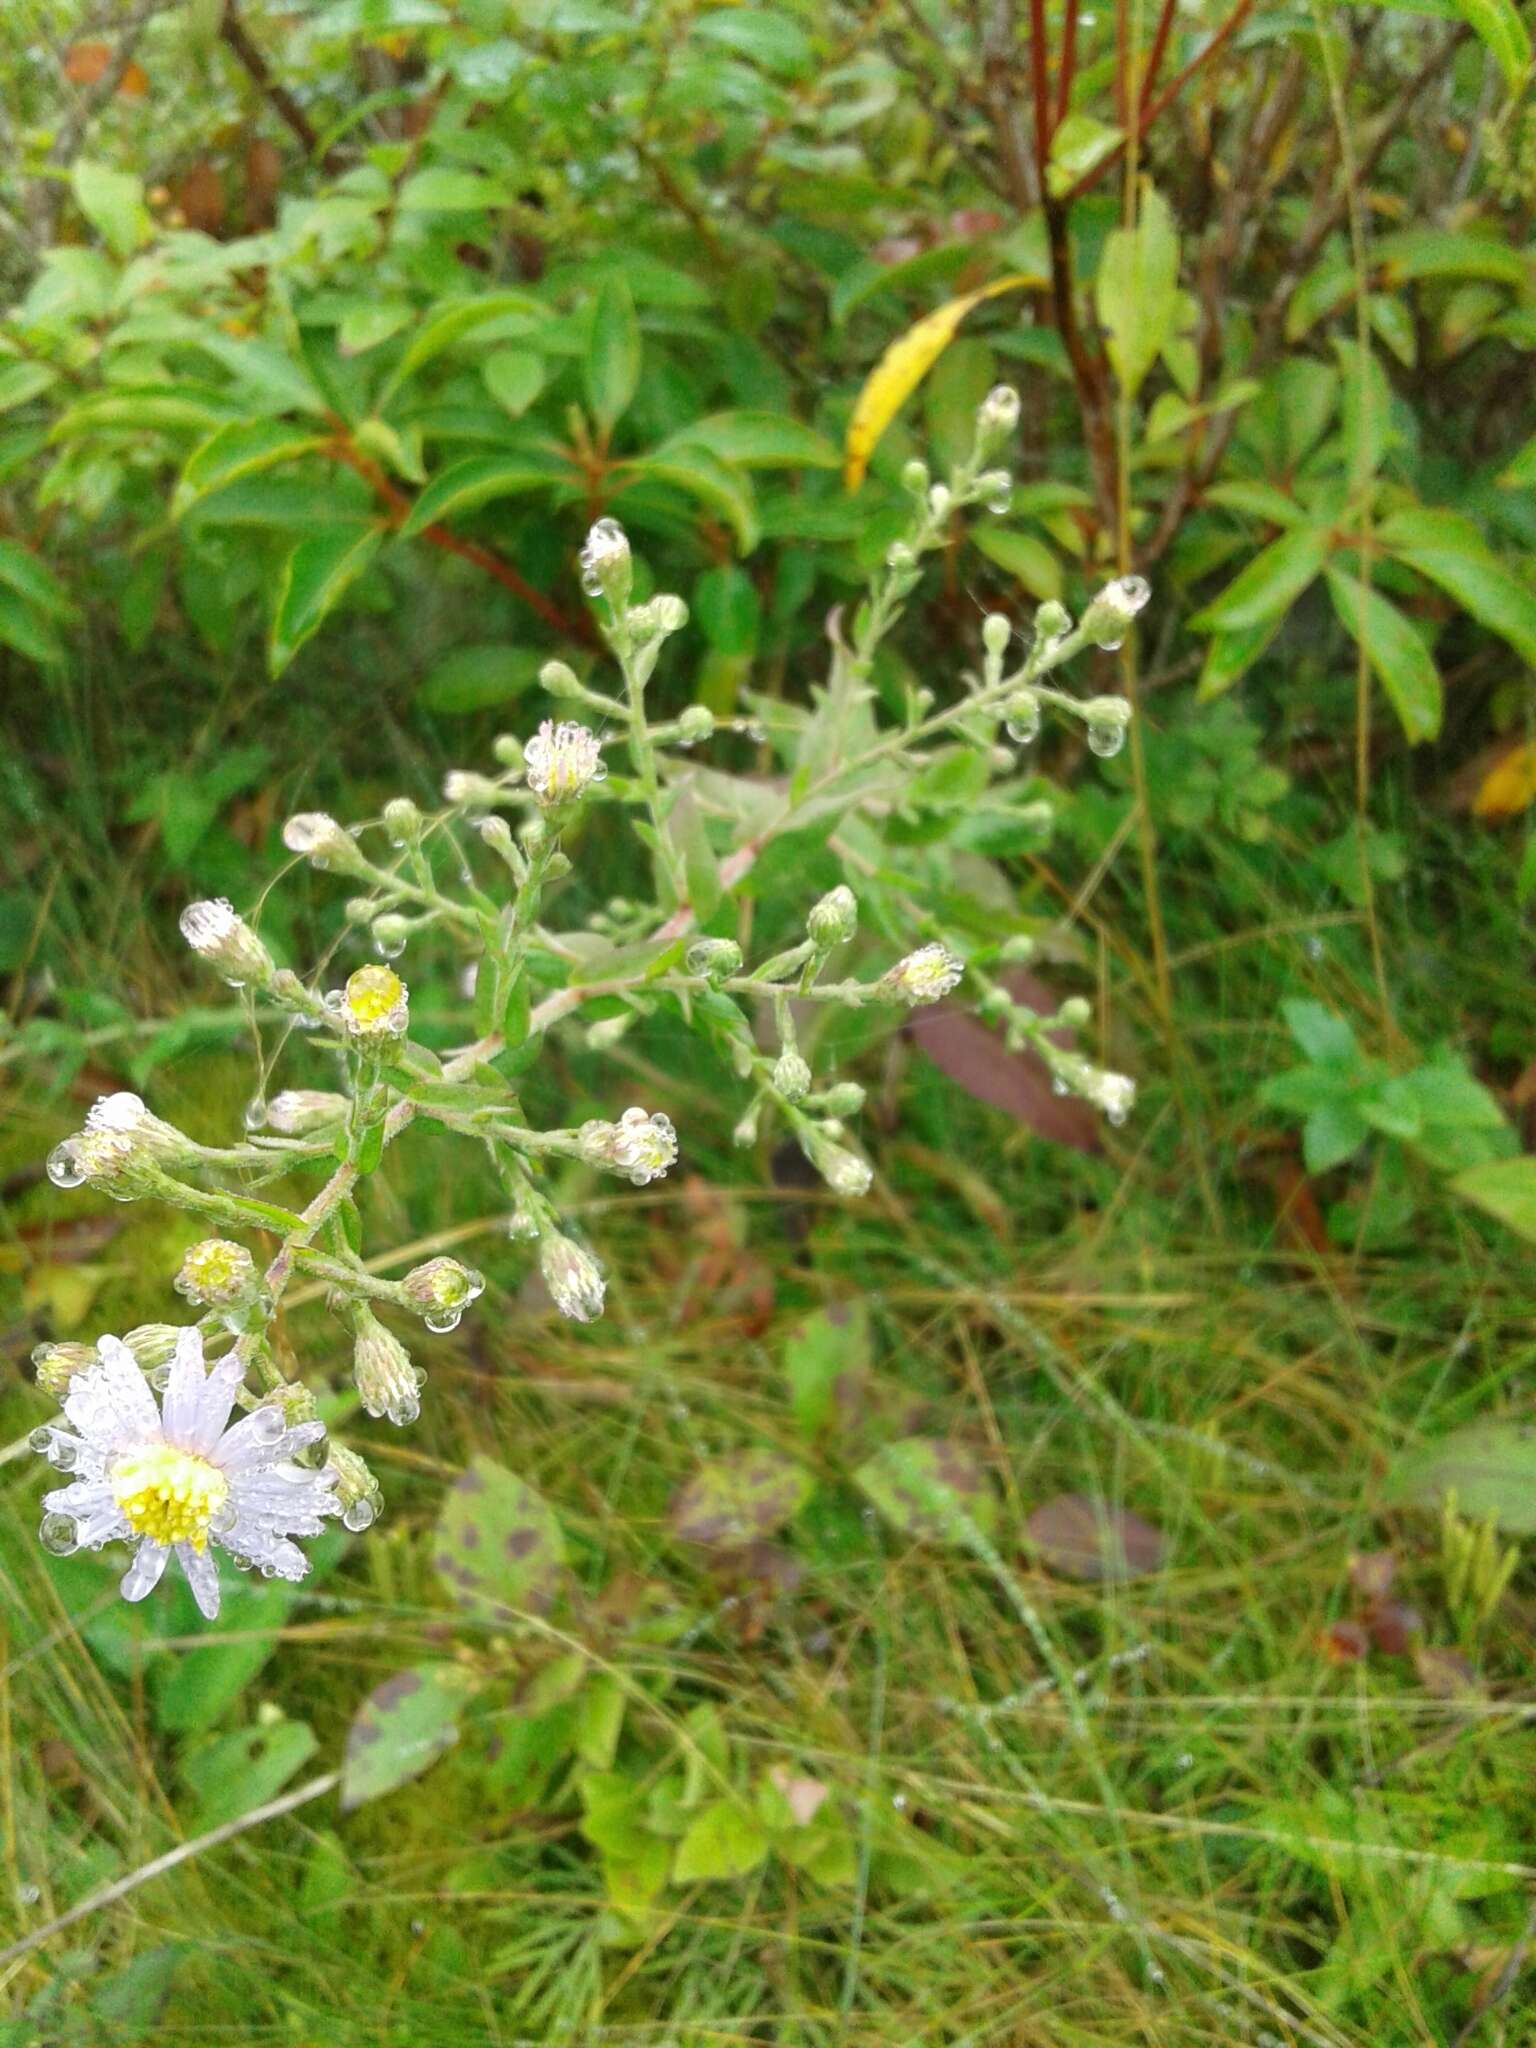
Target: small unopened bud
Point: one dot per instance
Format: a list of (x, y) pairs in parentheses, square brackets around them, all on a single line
[(441, 1290), (573, 1277), (298, 1111), (1074, 1013), (227, 943), (922, 977), (497, 835), (1107, 719), (390, 933), (940, 501), (1108, 618), (560, 679), (696, 722), (606, 567), (55, 1365), (745, 1132), (1021, 718), (1053, 622), (844, 1172), (639, 1147), (996, 632), (1019, 947), (323, 842), (914, 477), (216, 1273), (792, 1077), (900, 557), (463, 786), (388, 1385), (833, 919), (998, 413), (357, 1491), (605, 1034), (716, 959), (508, 750), (844, 1098), (402, 821)]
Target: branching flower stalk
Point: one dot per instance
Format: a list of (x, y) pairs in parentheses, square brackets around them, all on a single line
[(481, 874)]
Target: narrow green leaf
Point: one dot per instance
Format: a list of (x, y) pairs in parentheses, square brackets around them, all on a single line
[(1505, 1188), (1498, 26), (1449, 551), (241, 448), (442, 189), (698, 471), (20, 382), (1270, 584), (452, 322), (612, 369), (23, 629), (471, 678), (475, 481), (314, 578), (761, 440), (1398, 657), (31, 578), (1230, 656)]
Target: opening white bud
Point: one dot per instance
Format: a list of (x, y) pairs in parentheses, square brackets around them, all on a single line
[(834, 919), (573, 1277), (1108, 618), (606, 567), (561, 762), (214, 931)]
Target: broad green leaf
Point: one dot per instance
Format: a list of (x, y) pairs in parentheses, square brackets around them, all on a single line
[(724, 1839), (701, 870), (235, 1772), (113, 202), (728, 609), (1521, 473), (868, 278), (1079, 143), (1365, 416), (739, 1499), (25, 630), (765, 35), (463, 486), (1270, 584), (1230, 656), (1320, 1032), (1497, 23), (1026, 558), (314, 579), (20, 382), (1137, 288), (1333, 1132), (1398, 657), (401, 1730), (31, 578), (514, 377), (498, 1547), (931, 1488), (612, 369), (826, 1365), (1449, 551), (762, 440), (1505, 1188), (241, 448), (471, 678), (1259, 500), (445, 190), (370, 322), (697, 470), (1490, 1466), (451, 322)]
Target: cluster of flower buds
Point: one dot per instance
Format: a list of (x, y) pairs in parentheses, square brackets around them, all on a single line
[(639, 1147)]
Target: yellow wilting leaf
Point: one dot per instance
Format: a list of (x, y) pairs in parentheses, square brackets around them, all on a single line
[(1510, 784), (903, 367)]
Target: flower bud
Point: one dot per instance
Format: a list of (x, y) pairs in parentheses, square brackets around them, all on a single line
[(463, 786), (1108, 618), (1021, 718), (1106, 719), (664, 614), (573, 1277), (561, 762), (390, 933), (697, 722), (1074, 1013), (914, 477), (1053, 622), (745, 1131), (922, 977), (212, 929), (899, 556), (388, 1384), (605, 1034), (323, 842), (508, 750), (606, 567), (298, 1111), (216, 1273), (834, 919), (940, 501), (998, 414), (791, 1076), (716, 959), (1020, 947), (560, 679), (55, 1365), (844, 1172), (441, 1290), (639, 1147), (357, 1491), (996, 632), (402, 821), (844, 1098)]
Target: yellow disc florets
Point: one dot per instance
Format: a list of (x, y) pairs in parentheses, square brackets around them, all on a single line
[(375, 1001), (168, 1495)]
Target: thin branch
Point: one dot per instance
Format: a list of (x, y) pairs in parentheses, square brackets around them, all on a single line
[(182, 1853), (1155, 55), (1066, 63), (1038, 68), (1165, 99), (232, 31)]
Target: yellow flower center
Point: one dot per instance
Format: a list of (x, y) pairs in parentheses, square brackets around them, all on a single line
[(169, 1495), (373, 994)]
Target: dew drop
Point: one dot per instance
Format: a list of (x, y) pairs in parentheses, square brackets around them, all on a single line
[(441, 1321), (1106, 740), (254, 1115), (404, 1410), (59, 1535), (267, 1424), (1058, 1086), (1116, 1117), (159, 1377), (357, 1515), (224, 1518), (63, 1167)]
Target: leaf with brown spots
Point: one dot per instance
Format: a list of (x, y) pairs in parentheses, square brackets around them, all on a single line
[(401, 1729), (737, 1500), (498, 1547), (930, 1487), (1083, 1537)]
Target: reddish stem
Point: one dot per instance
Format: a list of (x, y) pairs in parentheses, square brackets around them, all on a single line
[(1067, 67), (1037, 72), (1158, 51), (1166, 98)]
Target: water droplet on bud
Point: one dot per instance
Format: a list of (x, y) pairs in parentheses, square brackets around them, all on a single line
[(63, 1168), (254, 1115), (358, 1514), (59, 1535), (1106, 740)]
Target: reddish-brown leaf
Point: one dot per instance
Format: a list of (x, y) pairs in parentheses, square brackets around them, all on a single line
[(1083, 1537), (86, 63), (1371, 1573), (200, 196), (974, 1055), (1345, 1642), (1395, 1627)]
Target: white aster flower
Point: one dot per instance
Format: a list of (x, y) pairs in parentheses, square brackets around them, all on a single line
[(120, 1140), (639, 1146), (214, 930), (573, 1277), (923, 976), (175, 1479), (1114, 1094), (561, 761)]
